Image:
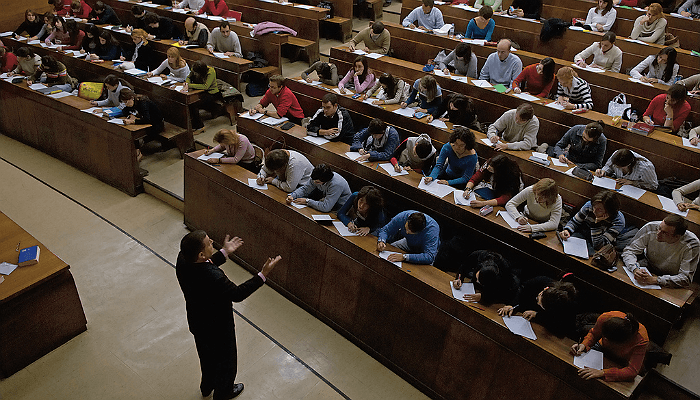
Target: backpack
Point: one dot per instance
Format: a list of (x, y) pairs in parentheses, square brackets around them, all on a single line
[(329, 5), (553, 27)]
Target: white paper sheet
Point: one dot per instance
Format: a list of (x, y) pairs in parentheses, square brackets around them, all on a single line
[(686, 143), (8, 33), (308, 7), (556, 162), (247, 115), (459, 78), (576, 28), (312, 83), (435, 188), (636, 41), (359, 52), (212, 155), (466, 288), (274, 121), (220, 55), (487, 142), (406, 112), (348, 92), (670, 206), (632, 191), (555, 105), (156, 79), (520, 326), (439, 124), (116, 121), (7, 268), (527, 96), (439, 72), (317, 140), (592, 359), (342, 229), (570, 172), (36, 41), (390, 170), (576, 247), (635, 80), (509, 220), (478, 42), (386, 254), (253, 182), (459, 198), (299, 206), (353, 155), (680, 16), (60, 95), (481, 83), (637, 284), (374, 55), (91, 110), (539, 155), (322, 217), (589, 68), (604, 182), (135, 72), (37, 86)]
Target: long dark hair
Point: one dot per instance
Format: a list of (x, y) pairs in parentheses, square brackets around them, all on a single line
[(71, 27), (548, 66), (506, 174), (199, 72), (325, 71), (670, 63), (106, 35), (363, 60), (48, 63), (391, 82), (374, 199)]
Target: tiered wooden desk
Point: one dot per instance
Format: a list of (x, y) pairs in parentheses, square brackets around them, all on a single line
[(39, 305)]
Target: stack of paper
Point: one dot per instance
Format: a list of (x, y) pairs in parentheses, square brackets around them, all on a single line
[(576, 247), (385, 255), (670, 206), (634, 281), (509, 220), (274, 121), (604, 182), (406, 112)]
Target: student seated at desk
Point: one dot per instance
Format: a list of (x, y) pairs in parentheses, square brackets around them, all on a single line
[(491, 274), (202, 77), (65, 33), (140, 110), (8, 61), (327, 73), (536, 79), (583, 145), (389, 90), (572, 91), (515, 129), (108, 48), (416, 153), (667, 249), (377, 142), (54, 74), (90, 40), (142, 56), (543, 204), (650, 27), (619, 336), (662, 67), (214, 7), (238, 150), (79, 9), (224, 40), (497, 181), (461, 60), (282, 99), (550, 303), (413, 232), (138, 22), (46, 28), (428, 94), (160, 28), (526, 9), (458, 110), (286, 169), (602, 17), (691, 8), (31, 25), (599, 222), (194, 5), (669, 110), (481, 27), (196, 34), (27, 62), (605, 54), (114, 87), (358, 78), (494, 4), (691, 84), (679, 195), (502, 66), (177, 67), (629, 168), (426, 17), (60, 7), (331, 121), (376, 39), (457, 160), (325, 191), (102, 14), (363, 213)]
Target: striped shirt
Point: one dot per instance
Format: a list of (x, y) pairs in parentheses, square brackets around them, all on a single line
[(643, 174), (602, 232), (579, 95)]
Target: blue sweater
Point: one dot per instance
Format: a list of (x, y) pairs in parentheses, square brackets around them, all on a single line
[(433, 106), (373, 222), (423, 245), (474, 32), (363, 140), (458, 170)]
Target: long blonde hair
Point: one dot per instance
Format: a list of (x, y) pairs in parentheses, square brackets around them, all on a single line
[(428, 84), (179, 61), (140, 33), (227, 137)]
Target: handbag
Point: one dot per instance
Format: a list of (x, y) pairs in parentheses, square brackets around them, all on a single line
[(583, 174), (605, 258), (618, 105), (90, 90)]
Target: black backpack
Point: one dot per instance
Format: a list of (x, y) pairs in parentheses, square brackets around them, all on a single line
[(329, 5)]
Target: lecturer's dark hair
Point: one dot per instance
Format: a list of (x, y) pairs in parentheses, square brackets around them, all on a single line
[(192, 244)]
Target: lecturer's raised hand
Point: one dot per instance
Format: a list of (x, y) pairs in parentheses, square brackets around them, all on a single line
[(231, 245), (270, 264)]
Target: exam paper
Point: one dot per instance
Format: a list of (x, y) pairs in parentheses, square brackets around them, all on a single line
[(589, 68), (509, 220), (459, 78), (438, 124), (591, 359), (220, 55), (632, 191), (342, 229), (299, 206), (317, 140), (520, 326), (60, 94), (527, 96), (386, 254), (212, 155), (576, 247), (353, 155), (37, 86), (478, 42), (467, 288), (539, 155), (604, 182), (359, 52), (439, 72), (322, 217), (555, 105), (7, 268), (91, 110), (246, 115), (312, 83), (407, 112), (390, 170), (487, 142), (670, 206), (686, 143), (374, 55), (135, 72), (253, 182), (555, 161), (459, 198), (116, 121), (637, 284), (635, 80), (156, 79), (8, 33), (482, 83), (435, 188), (274, 121)]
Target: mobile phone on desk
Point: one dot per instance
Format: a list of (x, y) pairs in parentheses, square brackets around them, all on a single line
[(537, 235)]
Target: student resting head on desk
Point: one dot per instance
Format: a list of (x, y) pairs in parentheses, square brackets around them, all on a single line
[(325, 191), (363, 213), (79, 9), (543, 204), (457, 160), (550, 303), (55, 74), (498, 180), (102, 14), (536, 79), (327, 73), (492, 275), (620, 337)]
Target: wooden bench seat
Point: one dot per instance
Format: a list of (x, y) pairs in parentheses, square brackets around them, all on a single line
[(179, 136)]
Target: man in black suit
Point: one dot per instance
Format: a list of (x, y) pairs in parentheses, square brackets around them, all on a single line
[(208, 296)]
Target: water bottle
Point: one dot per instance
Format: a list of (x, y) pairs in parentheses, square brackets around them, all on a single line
[(678, 78), (633, 117), (452, 31)]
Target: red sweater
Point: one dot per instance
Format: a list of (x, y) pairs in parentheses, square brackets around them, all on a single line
[(63, 11), (84, 13), (479, 176), (633, 351), (533, 81), (210, 8), (8, 62), (284, 102), (656, 111), (629, 3)]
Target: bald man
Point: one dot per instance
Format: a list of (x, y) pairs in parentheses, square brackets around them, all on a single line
[(502, 66), (196, 33)]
